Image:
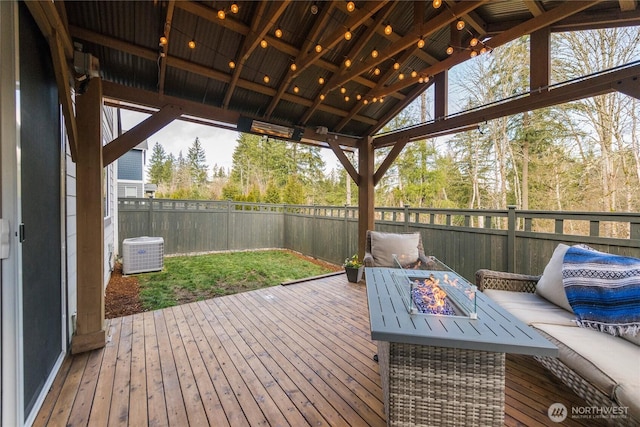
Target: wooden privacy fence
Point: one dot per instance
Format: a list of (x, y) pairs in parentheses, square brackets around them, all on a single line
[(465, 239)]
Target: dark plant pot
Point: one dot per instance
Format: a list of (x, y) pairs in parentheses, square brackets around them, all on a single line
[(354, 275)]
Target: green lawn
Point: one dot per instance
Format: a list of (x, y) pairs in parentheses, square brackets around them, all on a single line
[(191, 278)]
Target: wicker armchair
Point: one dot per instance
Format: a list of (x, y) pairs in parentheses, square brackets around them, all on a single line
[(369, 260), (489, 279)]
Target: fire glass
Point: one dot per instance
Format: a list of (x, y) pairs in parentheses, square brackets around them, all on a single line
[(435, 290)]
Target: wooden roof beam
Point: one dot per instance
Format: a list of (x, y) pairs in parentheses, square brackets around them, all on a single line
[(318, 25), (344, 160), (440, 21), (584, 88), (627, 5), (165, 48), (260, 26), (527, 27), (534, 7)]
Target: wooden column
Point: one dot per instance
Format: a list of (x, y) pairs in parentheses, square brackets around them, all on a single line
[(540, 59), (90, 332), (365, 192), (441, 100)]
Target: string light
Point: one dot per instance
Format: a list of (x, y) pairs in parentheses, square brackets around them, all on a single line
[(322, 97), (374, 99), (221, 14), (192, 44), (351, 6), (365, 102), (293, 66), (321, 80), (473, 54), (347, 63), (234, 8), (263, 44), (396, 65), (414, 74), (450, 50), (318, 48), (388, 29), (266, 78), (347, 35), (460, 25), (346, 98), (381, 100), (358, 97), (401, 76), (437, 4), (374, 53), (483, 50), (163, 41), (343, 89), (420, 43), (296, 89), (232, 65), (376, 71), (278, 33), (473, 42)]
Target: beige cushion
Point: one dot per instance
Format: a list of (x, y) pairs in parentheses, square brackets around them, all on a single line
[(609, 363), (531, 308), (385, 245), (550, 284)]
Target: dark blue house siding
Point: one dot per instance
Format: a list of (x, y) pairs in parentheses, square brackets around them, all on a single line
[(130, 166)]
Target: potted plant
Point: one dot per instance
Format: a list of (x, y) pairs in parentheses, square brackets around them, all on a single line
[(354, 268)]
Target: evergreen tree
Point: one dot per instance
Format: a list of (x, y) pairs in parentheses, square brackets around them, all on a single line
[(196, 160), (157, 169)]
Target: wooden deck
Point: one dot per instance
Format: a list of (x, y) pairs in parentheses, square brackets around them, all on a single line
[(288, 355)]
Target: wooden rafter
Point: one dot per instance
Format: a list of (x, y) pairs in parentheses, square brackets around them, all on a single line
[(344, 160), (53, 27), (588, 87), (630, 87), (260, 26), (165, 48), (427, 28), (527, 27), (318, 25), (353, 53), (626, 5), (534, 7), (125, 142)]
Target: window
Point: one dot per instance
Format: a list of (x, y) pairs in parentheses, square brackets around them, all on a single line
[(130, 192)]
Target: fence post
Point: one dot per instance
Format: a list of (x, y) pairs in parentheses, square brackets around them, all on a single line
[(511, 239), (228, 223), (347, 236), (150, 223), (406, 218)]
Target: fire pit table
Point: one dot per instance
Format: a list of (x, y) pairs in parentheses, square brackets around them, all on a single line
[(447, 368)]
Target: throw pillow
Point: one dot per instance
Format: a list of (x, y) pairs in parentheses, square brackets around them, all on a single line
[(603, 290), (385, 245), (550, 285)]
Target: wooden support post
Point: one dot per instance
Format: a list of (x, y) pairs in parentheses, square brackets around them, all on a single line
[(365, 192), (441, 100), (90, 333), (540, 59)]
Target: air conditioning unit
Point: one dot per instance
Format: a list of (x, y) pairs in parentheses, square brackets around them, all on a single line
[(142, 254)]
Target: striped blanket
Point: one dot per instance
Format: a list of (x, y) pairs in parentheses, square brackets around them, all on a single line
[(603, 289)]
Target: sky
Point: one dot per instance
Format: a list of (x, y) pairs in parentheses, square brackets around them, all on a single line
[(218, 143)]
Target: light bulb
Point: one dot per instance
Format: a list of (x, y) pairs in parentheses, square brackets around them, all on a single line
[(314, 9), (483, 50), (414, 74), (449, 50), (232, 64), (460, 25), (381, 100), (473, 42), (192, 44), (437, 4), (163, 40), (365, 102), (322, 97), (293, 67), (347, 63), (346, 98), (396, 65), (374, 53), (358, 97), (263, 44), (296, 89), (278, 32), (318, 48), (420, 44), (401, 76), (426, 79), (473, 54), (347, 35), (234, 8), (343, 89), (421, 80), (321, 80), (376, 71), (221, 14), (388, 29), (351, 6), (266, 78), (374, 99)]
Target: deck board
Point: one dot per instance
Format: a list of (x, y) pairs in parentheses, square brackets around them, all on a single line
[(288, 355)]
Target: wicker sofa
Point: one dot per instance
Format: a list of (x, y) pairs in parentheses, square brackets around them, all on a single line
[(603, 369)]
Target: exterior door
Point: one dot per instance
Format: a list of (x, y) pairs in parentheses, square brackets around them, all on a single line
[(40, 192)]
